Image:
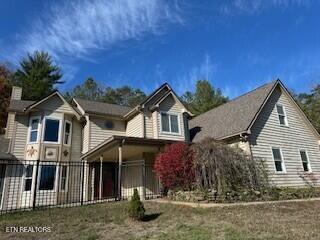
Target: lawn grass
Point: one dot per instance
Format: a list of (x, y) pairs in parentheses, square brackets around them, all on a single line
[(295, 220)]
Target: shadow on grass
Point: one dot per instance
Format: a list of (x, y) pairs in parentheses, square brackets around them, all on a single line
[(151, 217)]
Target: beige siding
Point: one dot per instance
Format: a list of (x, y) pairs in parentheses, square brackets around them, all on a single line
[(171, 106), (76, 141), (10, 125), (267, 132), (55, 103), (19, 144), (155, 125), (99, 133), (148, 125), (85, 136), (135, 126)]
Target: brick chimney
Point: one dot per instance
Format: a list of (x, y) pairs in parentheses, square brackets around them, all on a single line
[(16, 93)]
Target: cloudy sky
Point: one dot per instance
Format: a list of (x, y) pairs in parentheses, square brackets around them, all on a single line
[(237, 44)]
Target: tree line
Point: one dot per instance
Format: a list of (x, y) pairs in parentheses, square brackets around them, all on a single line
[(39, 76)]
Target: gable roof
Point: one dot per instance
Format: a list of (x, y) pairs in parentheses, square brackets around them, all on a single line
[(102, 108), (19, 105), (231, 118)]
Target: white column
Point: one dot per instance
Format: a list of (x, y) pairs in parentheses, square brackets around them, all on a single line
[(100, 180), (119, 171)]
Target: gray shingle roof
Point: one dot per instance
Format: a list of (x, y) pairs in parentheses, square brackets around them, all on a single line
[(19, 105), (230, 118), (102, 108)]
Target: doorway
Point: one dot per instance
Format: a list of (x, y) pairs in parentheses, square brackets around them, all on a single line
[(109, 180)]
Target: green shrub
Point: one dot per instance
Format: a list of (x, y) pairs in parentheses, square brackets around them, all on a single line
[(136, 209)]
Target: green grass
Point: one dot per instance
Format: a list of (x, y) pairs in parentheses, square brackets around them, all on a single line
[(292, 221)]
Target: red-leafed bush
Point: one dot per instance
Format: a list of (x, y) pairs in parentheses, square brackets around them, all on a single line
[(174, 166)]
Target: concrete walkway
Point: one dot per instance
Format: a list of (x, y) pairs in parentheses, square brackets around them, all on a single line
[(210, 205)]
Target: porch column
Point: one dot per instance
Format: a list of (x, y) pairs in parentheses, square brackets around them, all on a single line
[(100, 180), (119, 171), (144, 180)]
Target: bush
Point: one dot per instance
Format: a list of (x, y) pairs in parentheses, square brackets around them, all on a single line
[(227, 170), (136, 209), (174, 167)]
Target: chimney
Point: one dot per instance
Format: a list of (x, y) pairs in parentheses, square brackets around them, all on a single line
[(16, 93)]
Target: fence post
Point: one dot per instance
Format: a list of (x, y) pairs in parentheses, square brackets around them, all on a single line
[(143, 180), (35, 185), (82, 182)]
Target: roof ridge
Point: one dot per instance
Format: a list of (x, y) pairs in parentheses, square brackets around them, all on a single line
[(236, 98), (114, 104)]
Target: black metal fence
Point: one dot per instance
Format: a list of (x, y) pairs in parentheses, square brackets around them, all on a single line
[(26, 185)]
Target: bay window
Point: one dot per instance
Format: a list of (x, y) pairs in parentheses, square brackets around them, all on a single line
[(51, 130)]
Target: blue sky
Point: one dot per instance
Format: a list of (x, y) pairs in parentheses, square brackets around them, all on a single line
[(237, 44)]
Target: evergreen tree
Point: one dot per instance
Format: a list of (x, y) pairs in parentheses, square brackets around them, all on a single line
[(136, 209), (5, 90)]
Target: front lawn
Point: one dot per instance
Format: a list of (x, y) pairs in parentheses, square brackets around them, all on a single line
[(299, 220)]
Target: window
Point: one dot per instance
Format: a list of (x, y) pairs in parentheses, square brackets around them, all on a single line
[(51, 130), (63, 181), (282, 115), (47, 177), (67, 133), (34, 129), (278, 161), (305, 160), (28, 178), (170, 123)]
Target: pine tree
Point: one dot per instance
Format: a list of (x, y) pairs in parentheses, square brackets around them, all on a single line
[(136, 209)]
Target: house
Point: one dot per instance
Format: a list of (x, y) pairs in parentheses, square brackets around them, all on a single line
[(267, 124), (59, 152)]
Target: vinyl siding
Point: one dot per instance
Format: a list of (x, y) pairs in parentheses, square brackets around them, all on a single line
[(20, 140), (135, 126), (76, 141), (56, 104), (99, 133), (85, 136), (10, 125), (171, 106), (148, 125), (266, 132)]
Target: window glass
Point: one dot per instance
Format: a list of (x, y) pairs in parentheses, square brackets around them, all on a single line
[(280, 109), (305, 160), (34, 130), (34, 124), (282, 116), (51, 132), (174, 123), (28, 178), (165, 122), (63, 182), (277, 159), (47, 177), (67, 133)]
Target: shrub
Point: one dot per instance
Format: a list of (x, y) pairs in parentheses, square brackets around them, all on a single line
[(174, 166), (136, 208), (227, 170)]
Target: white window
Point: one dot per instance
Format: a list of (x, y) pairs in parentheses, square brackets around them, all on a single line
[(47, 177), (51, 130), (34, 129), (63, 178), (282, 115), (278, 159), (305, 161), (170, 123), (28, 177), (67, 133)]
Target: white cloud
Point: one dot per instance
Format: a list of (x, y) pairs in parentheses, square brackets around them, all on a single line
[(78, 28), (256, 6)]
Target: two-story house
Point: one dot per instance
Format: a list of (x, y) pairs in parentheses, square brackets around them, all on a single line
[(57, 149)]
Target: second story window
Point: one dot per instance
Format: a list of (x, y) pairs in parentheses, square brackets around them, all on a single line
[(67, 133), (51, 130), (170, 123), (282, 115), (34, 129)]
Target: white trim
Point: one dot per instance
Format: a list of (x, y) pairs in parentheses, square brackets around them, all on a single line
[(67, 178), (64, 133), (308, 159), (4, 185), (284, 170), (54, 189), (170, 132), (44, 129), (284, 115), (38, 129)]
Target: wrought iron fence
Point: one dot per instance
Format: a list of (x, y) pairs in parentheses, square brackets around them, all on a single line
[(26, 185)]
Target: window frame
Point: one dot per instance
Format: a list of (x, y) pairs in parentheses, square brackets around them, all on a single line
[(27, 178), (54, 181), (308, 160), (178, 119), (44, 129), (284, 115), (30, 129), (283, 166), (66, 178), (70, 133)]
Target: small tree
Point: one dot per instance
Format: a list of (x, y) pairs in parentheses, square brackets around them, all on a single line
[(174, 166), (136, 208)]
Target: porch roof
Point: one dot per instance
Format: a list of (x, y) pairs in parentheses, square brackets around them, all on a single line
[(123, 140)]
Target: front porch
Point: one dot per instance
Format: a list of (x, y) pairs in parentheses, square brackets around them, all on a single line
[(119, 165)]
